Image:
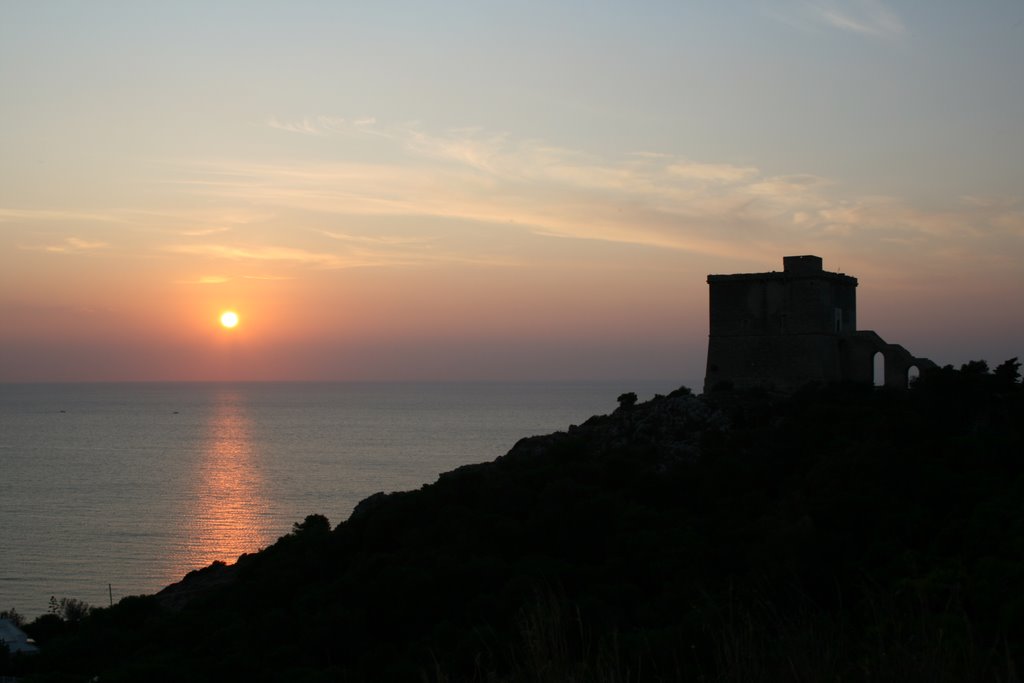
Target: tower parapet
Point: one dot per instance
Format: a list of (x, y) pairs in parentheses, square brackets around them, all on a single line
[(802, 264)]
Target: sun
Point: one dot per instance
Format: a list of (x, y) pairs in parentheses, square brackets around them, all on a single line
[(229, 319)]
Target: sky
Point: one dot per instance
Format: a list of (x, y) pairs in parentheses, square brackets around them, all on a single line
[(494, 190)]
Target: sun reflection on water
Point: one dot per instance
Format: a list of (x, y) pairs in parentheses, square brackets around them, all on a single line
[(227, 507)]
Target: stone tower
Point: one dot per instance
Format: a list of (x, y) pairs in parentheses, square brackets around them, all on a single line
[(785, 330)]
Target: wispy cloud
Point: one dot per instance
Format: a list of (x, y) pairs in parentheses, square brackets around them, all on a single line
[(202, 232), (70, 245), (56, 215), (867, 17), (444, 198), (711, 172), (650, 198), (84, 245), (862, 17), (305, 126), (206, 280), (279, 254), (382, 253), (223, 279), (385, 240), (318, 125), (468, 174), (189, 222)]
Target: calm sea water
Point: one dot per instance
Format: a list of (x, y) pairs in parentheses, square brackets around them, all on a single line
[(133, 485)]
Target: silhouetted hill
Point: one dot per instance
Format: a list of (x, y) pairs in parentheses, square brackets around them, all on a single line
[(839, 534)]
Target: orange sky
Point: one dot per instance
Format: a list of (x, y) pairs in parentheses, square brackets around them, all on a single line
[(496, 194)]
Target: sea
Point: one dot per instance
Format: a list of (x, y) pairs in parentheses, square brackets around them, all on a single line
[(116, 489)]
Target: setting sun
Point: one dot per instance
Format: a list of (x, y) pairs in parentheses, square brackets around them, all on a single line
[(229, 319)]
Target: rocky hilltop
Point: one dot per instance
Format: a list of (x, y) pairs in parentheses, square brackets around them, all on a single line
[(842, 533)]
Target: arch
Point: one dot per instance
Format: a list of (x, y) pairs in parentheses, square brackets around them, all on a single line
[(913, 373), (878, 363)]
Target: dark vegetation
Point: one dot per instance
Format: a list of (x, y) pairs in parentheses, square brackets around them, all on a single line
[(841, 534)]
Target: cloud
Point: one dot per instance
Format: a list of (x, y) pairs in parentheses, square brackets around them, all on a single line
[(84, 245), (279, 254), (305, 126), (70, 245), (446, 197), (711, 172), (650, 198), (319, 125), (54, 215), (387, 240), (867, 17), (206, 280), (202, 232), (221, 279), (861, 17), (468, 174), (189, 222)]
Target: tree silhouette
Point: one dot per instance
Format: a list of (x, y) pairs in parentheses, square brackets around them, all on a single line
[(1009, 371), (313, 524)]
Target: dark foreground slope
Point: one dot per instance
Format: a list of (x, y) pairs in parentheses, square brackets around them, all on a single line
[(841, 534)]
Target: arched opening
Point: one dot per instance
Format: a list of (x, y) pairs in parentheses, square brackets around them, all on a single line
[(913, 372), (879, 374)]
